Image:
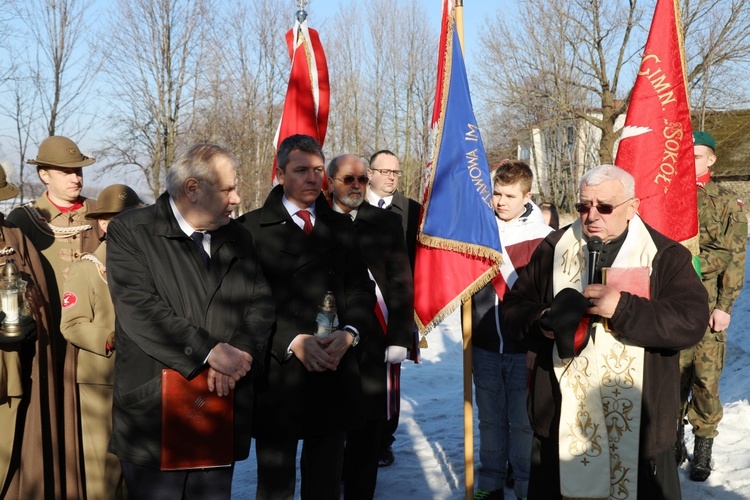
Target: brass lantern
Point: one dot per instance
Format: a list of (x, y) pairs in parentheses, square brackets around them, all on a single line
[(12, 302)]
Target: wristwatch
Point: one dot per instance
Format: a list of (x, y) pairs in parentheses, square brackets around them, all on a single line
[(355, 335)]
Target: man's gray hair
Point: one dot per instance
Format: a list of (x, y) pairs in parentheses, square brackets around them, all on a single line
[(604, 173), (196, 163)]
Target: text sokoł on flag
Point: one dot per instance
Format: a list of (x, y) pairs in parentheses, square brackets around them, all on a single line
[(656, 146)]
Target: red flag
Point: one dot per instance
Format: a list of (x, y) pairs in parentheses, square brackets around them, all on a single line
[(656, 146), (458, 245), (307, 95)]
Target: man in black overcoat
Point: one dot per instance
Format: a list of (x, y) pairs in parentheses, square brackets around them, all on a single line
[(383, 249), (189, 295), (385, 174), (311, 390)]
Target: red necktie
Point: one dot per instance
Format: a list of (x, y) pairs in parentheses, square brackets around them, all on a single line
[(305, 216)]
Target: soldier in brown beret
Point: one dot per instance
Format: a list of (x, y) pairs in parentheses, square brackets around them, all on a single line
[(88, 322), (56, 225)]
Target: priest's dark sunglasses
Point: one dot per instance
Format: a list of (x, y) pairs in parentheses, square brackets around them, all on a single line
[(602, 208), (349, 179)]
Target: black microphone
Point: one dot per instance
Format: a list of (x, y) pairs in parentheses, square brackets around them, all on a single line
[(595, 248)]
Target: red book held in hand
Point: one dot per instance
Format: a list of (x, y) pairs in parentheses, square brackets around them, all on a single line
[(635, 280), (196, 425)]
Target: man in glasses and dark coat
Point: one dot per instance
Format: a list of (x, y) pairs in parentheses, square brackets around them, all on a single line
[(383, 249), (606, 378)]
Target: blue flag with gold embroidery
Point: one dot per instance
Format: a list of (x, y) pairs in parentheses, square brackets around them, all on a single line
[(458, 246)]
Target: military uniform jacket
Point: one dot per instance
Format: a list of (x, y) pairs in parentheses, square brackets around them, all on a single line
[(88, 317), (170, 313), (381, 243), (292, 402), (723, 238), (60, 238)]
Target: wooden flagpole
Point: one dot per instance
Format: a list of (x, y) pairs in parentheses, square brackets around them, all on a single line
[(466, 328)]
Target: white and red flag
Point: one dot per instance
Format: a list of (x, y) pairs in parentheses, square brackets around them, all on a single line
[(308, 94), (656, 145)]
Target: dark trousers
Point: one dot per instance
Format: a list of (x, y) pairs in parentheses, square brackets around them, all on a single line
[(198, 484), (389, 426), (320, 467), (361, 460), (657, 478)]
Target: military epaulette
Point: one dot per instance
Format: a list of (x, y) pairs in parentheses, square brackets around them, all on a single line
[(99, 265)]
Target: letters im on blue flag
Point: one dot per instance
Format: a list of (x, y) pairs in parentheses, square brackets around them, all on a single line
[(458, 205)]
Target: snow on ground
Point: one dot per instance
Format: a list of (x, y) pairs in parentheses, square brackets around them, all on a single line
[(429, 442)]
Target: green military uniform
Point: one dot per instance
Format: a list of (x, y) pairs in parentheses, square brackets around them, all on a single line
[(723, 238), (88, 322)]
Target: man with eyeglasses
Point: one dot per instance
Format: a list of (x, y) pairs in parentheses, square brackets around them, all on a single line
[(384, 173), (606, 378), (383, 249), (723, 238)]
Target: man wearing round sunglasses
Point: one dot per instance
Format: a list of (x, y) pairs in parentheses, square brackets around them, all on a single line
[(383, 249), (606, 377)]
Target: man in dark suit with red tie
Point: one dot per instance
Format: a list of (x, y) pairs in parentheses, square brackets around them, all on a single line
[(381, 242), (311, 390), (385, 173)]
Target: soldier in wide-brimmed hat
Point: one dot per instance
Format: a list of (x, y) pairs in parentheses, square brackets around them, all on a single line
[(57, 226), (88, 322)]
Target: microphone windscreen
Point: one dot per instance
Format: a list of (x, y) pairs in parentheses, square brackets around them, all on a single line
[(595, 244)]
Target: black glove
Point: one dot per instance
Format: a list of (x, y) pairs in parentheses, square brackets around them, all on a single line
[(565, 313)]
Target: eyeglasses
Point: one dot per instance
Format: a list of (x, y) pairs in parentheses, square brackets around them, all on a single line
[(349, 179), (387, 173), (602, 208)]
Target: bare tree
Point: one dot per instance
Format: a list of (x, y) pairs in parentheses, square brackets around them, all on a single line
[(154, 53), (248, 76), (21, 107), (717, 34), (569, 64), (64, 69), (382, 66)]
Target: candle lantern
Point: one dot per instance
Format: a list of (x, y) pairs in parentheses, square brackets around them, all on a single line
[(327, 319), (12, 302)]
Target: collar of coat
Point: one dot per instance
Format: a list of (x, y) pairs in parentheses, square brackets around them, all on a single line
[(274, 212), (165, 224)]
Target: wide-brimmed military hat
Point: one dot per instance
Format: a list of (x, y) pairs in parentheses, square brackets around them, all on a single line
[(61, 152), (701, 138), (113, 200), (8, 190)]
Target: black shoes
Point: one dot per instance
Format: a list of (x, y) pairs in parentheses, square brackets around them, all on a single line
[(701, 468), (386, 457)]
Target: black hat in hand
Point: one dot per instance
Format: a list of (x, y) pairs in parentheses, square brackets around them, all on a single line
[(566, 312)]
